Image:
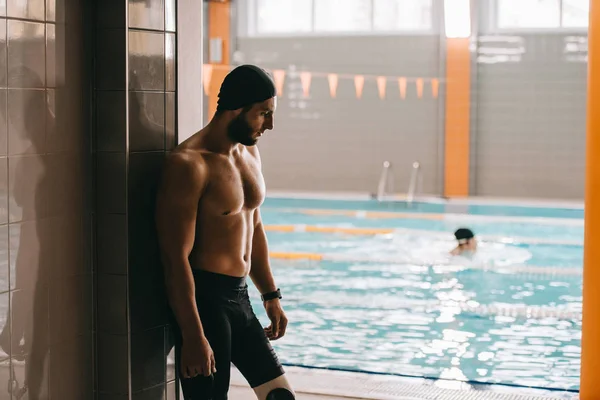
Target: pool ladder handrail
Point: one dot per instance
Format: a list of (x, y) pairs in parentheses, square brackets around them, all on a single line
[(386, 182), (414, 178), (385, 179)]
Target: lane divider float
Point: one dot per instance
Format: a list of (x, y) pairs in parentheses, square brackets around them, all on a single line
[(514, 269)]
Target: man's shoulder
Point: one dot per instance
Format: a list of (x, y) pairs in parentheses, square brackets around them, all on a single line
[(186, 160), (253, 151)]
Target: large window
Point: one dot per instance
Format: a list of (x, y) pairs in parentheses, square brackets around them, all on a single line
[(281, 16), (575, 13), (342, 15), (541, 14), (397, 15), (288, 17)]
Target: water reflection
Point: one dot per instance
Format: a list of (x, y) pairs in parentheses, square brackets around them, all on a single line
[(25, 334), (428, 322), (46, 307)]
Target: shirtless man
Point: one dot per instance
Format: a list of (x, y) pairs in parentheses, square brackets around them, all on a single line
[(211, 238)]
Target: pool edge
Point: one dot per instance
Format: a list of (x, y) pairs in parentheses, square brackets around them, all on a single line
[(357, 385)]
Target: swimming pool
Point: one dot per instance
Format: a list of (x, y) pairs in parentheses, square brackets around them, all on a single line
[(370, 287)]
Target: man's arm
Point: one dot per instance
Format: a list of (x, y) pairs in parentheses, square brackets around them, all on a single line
[(260, 271), (262, 276), (182, 184)]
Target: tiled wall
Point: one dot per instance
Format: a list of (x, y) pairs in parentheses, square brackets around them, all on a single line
[(331, 144), (46, 291), (135, 86), (531, 115)]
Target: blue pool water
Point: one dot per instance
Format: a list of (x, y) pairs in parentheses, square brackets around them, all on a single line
[(398, 303)]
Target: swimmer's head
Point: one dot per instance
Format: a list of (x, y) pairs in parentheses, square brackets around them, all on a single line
[(248, 94), (466, 239)]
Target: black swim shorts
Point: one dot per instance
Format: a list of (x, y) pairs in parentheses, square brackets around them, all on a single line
[(235, 335)]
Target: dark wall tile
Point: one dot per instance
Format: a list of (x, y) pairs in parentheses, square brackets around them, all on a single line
[(148, 355), (28, 189), (146, 121), (111, 110), (29, 307), (146, 60), (3, 53), (71, 369), (111, 244), (170, 15), (111, 190), (65, 121), (63, 180), (68, 318), (111, 13), (3, 190), (30, 246), (37, 379), (148, 306), (155, 393), (3, 122), (111, 66), (170, 65), (51, 55), (27, 111), (170, 123), (112, 304), (26, 54), (106, 396), (67, 247), (144, 175), (4, 260), (147, 14), (113, 361), (146, 282), (30, 9)]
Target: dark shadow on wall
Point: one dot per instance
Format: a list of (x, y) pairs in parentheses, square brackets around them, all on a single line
[(46, 331), (151, 341), (25, 334)]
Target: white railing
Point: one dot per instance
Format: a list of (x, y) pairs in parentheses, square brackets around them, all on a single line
[(414, 181), (386, 181)]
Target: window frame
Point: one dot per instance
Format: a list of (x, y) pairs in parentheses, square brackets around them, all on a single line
[(494, 16), (251, 22)]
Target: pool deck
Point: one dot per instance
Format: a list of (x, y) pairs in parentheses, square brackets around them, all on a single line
[(312, 384)]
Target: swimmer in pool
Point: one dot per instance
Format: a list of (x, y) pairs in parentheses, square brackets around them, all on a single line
[(212, 239), (466, 242)]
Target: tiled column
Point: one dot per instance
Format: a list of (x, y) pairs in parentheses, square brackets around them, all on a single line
[(135, 99)]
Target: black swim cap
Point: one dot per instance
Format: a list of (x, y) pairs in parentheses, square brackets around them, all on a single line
[(245, 85), (463, 234)]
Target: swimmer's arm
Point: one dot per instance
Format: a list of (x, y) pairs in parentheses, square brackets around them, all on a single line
[(181, 187), (260, 271)]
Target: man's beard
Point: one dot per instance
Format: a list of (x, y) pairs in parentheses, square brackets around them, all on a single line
[(240, 132)]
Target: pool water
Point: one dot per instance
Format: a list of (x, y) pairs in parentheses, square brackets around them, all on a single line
[(398, 303)]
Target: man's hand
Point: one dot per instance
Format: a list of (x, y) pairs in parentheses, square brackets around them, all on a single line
[(278, 320), (197, 358)]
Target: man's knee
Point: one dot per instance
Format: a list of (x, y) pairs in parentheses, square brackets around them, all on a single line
[(280, 394)]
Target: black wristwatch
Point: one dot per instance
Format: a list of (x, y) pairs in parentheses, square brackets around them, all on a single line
[(271, 295)]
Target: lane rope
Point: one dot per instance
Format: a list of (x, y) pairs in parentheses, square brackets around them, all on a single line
[(301, 228), (515, 269)]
